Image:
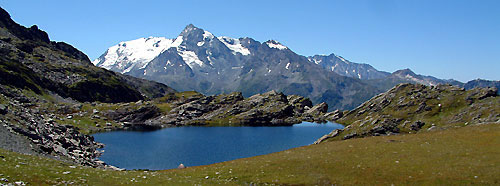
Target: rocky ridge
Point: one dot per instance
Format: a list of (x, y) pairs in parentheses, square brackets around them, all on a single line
[(410, 108)]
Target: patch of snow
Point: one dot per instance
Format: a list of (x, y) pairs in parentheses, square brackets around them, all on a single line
[(169, 63), (287, 65), (190, 58), (359, 75), (269, 71), (234, 45), (275, 44), (178, 41), (128, 55), (341, 58), (208, 35)]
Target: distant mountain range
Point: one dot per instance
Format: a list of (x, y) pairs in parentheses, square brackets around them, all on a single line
[(198, 60)]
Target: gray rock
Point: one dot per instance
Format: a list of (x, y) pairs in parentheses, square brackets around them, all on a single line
[(349, 136), (332, 134)]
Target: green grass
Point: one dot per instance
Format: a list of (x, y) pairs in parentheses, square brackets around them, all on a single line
[(460, 156)]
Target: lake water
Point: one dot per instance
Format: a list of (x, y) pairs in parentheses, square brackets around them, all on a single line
[(193, 146)]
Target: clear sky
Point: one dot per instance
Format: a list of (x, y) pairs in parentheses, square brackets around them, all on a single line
[(457, 39)]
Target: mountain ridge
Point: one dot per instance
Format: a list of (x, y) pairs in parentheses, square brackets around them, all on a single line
[(198, 60)]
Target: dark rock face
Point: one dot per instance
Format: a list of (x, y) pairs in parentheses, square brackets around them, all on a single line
[(33, 33)]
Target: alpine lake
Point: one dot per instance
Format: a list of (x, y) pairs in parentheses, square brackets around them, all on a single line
[(193, 145)]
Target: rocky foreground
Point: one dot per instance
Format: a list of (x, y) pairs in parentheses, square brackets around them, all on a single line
[(410, 108)]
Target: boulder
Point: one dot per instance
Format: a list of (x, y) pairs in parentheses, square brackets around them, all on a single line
[(332, 134), (318, 109), (335, 115)]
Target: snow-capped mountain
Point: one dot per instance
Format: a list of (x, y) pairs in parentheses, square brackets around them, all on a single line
[(198, 60), (346, 68)]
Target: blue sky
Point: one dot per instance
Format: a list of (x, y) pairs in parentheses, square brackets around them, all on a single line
[(457, 39)]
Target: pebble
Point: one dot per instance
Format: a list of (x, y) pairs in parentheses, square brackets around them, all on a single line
[(67, 172), (206, 177), (4, 179)]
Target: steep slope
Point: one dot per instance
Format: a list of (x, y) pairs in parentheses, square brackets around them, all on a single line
[(409, 108), (344, 67), (198, 60)]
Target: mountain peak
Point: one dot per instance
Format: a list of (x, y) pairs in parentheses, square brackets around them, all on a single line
[(189, 28), (404, 72)]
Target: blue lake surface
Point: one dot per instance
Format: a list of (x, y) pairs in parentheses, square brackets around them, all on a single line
[(193, 146)]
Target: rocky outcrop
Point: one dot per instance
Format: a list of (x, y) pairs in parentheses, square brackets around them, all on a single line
[(410, 108), (132, 115), (270, 108)]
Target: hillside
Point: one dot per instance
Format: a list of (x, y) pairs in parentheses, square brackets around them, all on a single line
[(410, 108)]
